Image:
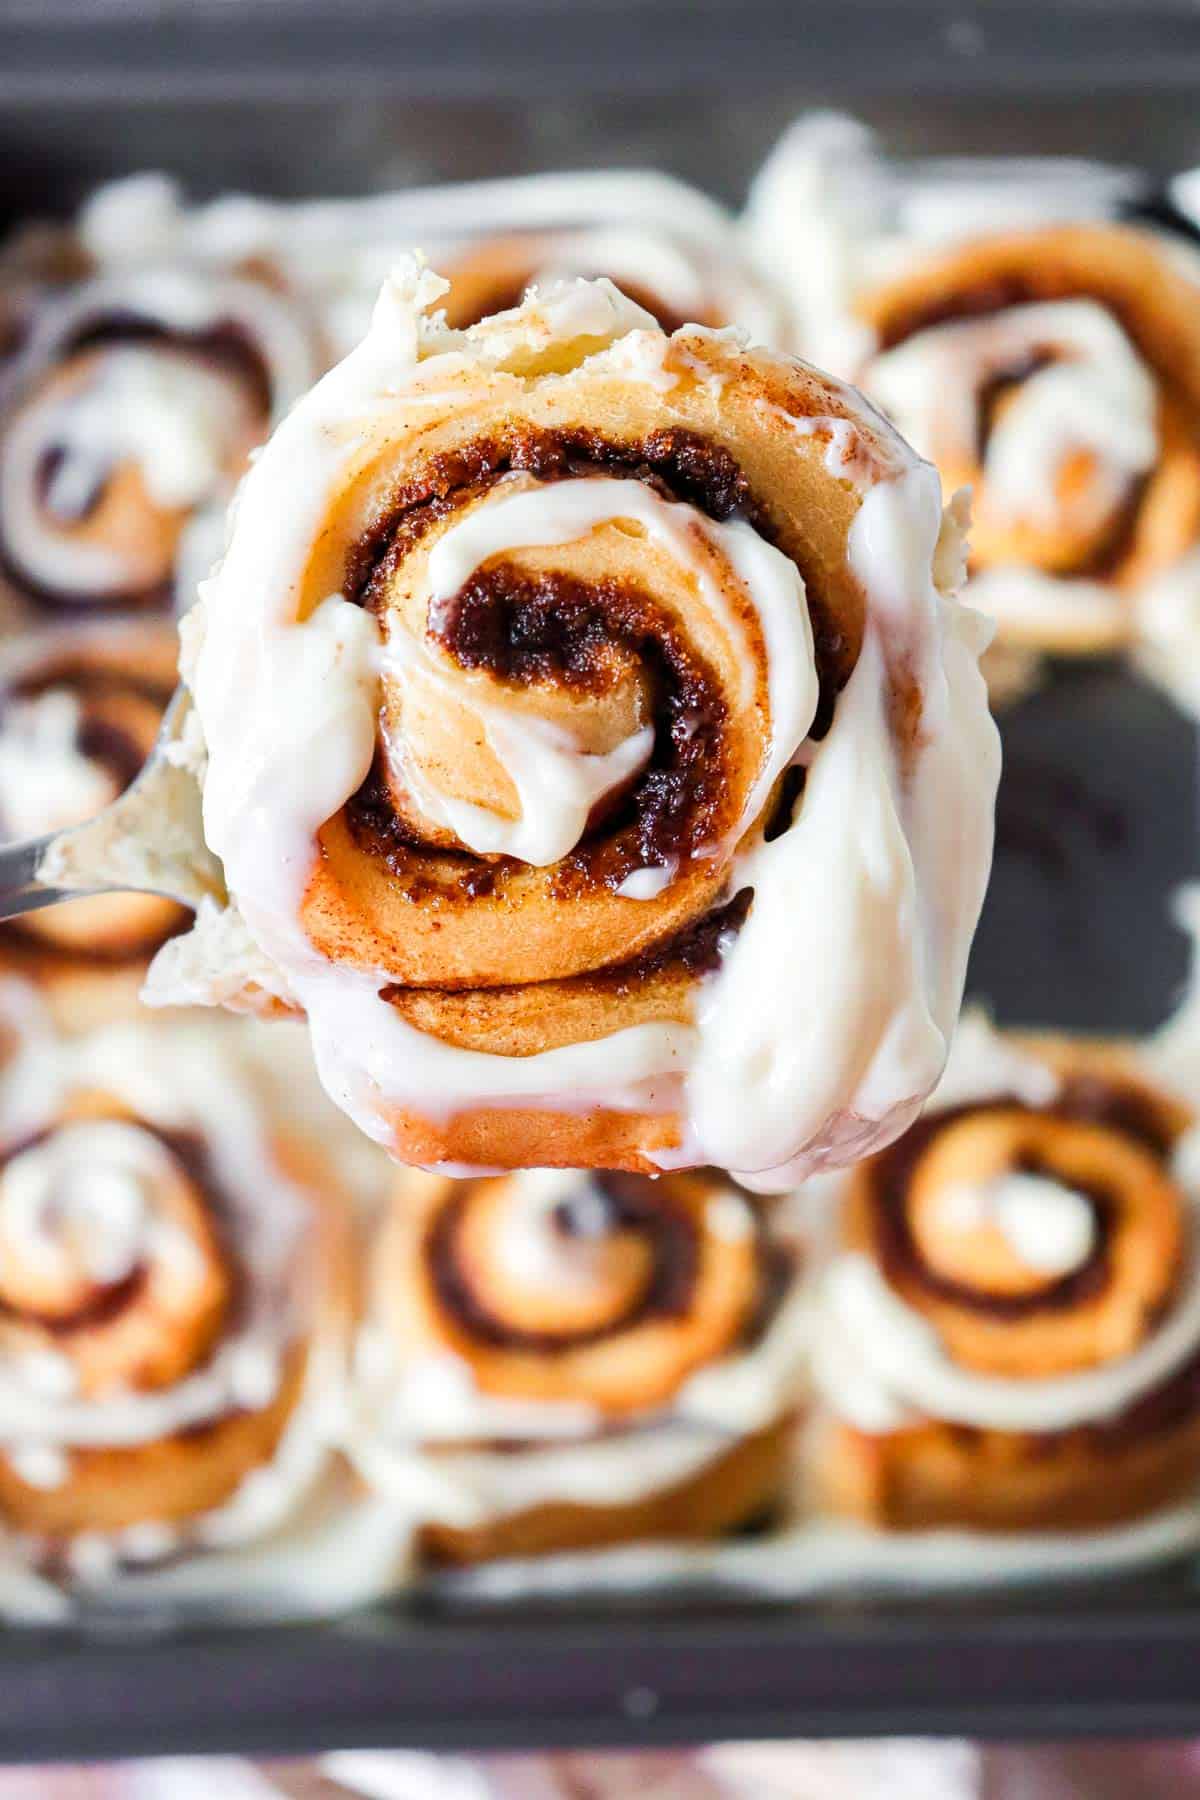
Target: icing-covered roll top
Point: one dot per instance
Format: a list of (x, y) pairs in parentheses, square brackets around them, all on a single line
[(128, 413), (174, 1294), (1008, 1334), (555, 1360), (580, 695), (79, 714), (1035, 1241), (548, 670), (605, 1292), (669, 247), (1057, 372), (109, 1253)]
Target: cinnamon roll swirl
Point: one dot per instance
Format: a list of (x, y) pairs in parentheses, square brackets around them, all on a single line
[(1033, 346), (1058, 372), (619, 769), (175, 1290), (1009, 1334), (126, 417), (553, 1360), (80, 709)]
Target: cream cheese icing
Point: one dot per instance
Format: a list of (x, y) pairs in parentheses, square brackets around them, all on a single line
[(1098, 396), (910, 861), (829, 213), (1049, 1227), (46, 781)]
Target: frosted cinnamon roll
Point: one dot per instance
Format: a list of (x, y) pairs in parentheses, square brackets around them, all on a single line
[(1057, 372), (669, 247), (553, 1360), (1028, 342), (127, 413), (79, 713), (593, 749), (175, 1288), (1008, 1335)]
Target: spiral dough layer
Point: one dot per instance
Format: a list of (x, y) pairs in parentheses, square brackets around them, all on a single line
[(175, 1290), (592, 750), (552, 1360), (1014, 1317)]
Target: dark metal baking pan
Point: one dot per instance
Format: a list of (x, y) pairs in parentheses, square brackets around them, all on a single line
[(502, 48), (1097, 827), (1099, 830)]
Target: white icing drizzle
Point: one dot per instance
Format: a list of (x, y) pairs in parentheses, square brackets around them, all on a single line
[(818, 1556), (46, 781), (83, 1199), (829, 213), (1047, 1226), (532, 1250), (904, 1355), (1026, 602), (175, 419), (877, 977), (649, 883), (874, 889), (1097, 396), (39, 1465), (983, 1062), (562, 511), (813, 209), (557, 783)]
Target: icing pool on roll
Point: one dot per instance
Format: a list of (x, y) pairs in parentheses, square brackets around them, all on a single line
[(826, 1022)]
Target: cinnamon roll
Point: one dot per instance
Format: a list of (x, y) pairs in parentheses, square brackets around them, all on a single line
[(669, 247), (80, 709), (1058, 372), (175, 1292), (555, 1361), (126, 417), (1008, 1336), (594, 751), (1032, 345)]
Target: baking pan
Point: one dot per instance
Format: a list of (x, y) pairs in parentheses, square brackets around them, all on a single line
[(1097, 827)]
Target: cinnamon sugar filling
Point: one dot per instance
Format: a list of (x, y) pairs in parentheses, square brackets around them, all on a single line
[(556, 627)]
